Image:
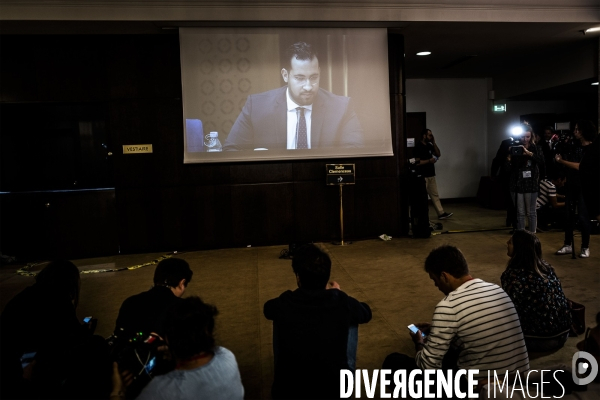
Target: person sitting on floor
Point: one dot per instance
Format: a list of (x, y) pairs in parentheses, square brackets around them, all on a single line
[(536, 293), (42, 319), (314, 330), (474, 326), (549, 203), (146, 312), (204, 370)]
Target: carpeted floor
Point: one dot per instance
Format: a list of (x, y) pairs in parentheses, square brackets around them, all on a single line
[(388, 276)]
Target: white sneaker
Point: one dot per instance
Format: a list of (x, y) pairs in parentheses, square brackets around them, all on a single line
[(585, 252), (566, 249)]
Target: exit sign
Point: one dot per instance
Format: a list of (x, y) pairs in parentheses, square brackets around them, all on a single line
[(500, 108)]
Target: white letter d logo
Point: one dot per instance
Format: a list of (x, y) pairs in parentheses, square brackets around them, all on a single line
[(584, 367)]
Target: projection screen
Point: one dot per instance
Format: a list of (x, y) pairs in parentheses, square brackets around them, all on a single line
[(256, 94)]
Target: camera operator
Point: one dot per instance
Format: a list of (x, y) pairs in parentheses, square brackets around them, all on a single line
[(146, 312), (585, 133), (504, 177), (524, 163), (204, 370), (547, 146)]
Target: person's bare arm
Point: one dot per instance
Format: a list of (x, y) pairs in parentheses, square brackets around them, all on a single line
[(427, 161), (436, 149), (566, 163), (555, 204)]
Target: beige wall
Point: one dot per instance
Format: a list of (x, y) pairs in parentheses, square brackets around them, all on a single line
[(293, 10)]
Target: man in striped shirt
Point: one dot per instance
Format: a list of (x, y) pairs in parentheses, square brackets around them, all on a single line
[(475, 326), (548, 206)]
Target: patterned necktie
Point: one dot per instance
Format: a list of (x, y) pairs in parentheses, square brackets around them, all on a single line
[(302, 141)]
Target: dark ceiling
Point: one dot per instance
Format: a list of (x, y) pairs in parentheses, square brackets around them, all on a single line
[(459, 49)]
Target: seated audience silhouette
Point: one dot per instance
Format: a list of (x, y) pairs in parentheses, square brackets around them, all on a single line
[(204, 370), (42, 320), (536, 293), (311, 328), (146, 312)]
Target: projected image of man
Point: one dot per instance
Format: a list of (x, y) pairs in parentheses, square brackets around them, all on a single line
[(299, 115)]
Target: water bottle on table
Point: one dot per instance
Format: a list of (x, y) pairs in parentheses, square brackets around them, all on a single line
[(212, 143)]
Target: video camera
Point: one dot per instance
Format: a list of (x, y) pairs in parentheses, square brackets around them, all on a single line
[(515, 147), (139, 354), (564, 145)]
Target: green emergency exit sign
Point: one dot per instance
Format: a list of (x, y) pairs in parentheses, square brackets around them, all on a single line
[(500, 108)]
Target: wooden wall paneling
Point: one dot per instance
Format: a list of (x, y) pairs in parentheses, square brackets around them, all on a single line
[(204, 174), (376, 167), (140, 227), (316, 211), (83, 224), (163, 204), (55, 225), (398, 111), (261, 214), (144, 66), (378, 205), (23, 228), (206, 218), (266, 172), (146, 122), (53, 68)]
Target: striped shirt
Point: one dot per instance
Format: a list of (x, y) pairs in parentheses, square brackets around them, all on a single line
[(480, 319), (547, 190)]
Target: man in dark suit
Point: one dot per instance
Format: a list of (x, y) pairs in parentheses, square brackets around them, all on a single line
[(297, 116)]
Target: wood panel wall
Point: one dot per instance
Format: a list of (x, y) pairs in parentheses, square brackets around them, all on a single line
[(164, 205)]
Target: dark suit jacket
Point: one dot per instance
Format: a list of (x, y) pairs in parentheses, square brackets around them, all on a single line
[(263, 122)]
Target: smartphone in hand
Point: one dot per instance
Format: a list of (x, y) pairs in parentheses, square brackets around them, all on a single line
[(414, 329)]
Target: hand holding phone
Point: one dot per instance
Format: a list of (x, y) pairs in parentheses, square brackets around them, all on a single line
[(87, 320), (414, 330)]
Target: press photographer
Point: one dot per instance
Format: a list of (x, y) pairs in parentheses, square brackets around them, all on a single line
[(523, 163), (572, 157)]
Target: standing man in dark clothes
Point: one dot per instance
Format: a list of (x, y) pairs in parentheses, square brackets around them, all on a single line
[(312, 330), (504, 175), (427, 151), (146, 312)]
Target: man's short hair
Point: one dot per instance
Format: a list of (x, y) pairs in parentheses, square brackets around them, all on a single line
[(313, 266), (549, 128), (171, 271), (189, 327), (62, 276), (446, 259), (300, 50)]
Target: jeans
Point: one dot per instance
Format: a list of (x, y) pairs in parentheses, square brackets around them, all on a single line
[(576, 201), (525, 203)]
